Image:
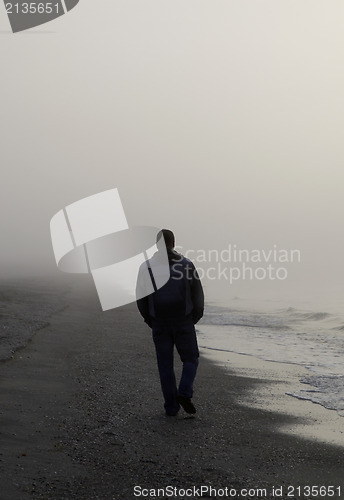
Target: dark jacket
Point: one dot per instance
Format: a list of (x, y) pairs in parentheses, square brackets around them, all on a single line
[(194, 297)]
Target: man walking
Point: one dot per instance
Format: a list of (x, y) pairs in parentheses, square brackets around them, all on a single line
[(172, 311)]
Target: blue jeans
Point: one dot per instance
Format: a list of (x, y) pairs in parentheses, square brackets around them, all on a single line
[(184, 338)]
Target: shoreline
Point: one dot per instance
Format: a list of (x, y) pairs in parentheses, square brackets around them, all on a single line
[(26, 306), (82, 418), (316, 422)]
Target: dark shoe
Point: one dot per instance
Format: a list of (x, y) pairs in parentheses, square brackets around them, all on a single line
[(171, 414), (187, 404)]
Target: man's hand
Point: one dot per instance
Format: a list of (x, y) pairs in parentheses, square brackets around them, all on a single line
[(197, 315)]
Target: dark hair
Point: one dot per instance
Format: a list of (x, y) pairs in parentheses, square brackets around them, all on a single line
[(168, 237)]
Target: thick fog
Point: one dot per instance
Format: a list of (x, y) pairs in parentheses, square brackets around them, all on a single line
[(221, 120)]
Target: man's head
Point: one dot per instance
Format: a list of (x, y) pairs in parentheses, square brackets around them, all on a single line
[(168, 238)]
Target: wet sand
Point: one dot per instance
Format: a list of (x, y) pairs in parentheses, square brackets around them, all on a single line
[(280, 380), (82, 418)]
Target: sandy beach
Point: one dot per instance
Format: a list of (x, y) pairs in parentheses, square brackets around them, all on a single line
[(82, 418)]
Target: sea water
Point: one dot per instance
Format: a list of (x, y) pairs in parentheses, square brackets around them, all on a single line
[(305, 334)]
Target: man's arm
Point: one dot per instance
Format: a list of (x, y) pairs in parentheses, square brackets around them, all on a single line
[(142, 299), (143, 307), (197, 296)]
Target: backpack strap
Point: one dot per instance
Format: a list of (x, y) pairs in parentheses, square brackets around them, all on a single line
[(150, 299), (152, 277)]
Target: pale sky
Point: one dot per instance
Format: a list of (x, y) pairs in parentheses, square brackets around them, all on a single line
[(219, 119)]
